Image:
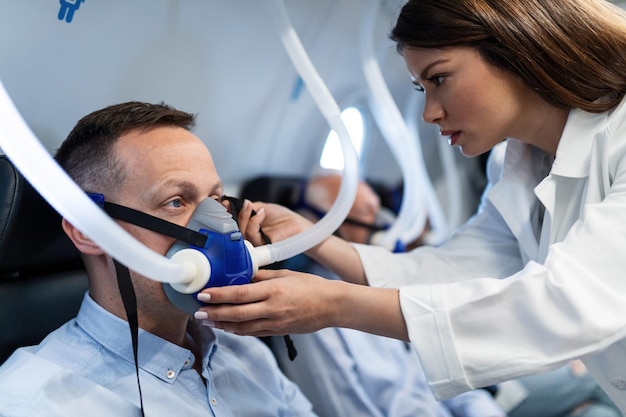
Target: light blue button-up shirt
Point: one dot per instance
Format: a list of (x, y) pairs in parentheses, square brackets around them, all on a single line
[(345, 372), (86, 368)]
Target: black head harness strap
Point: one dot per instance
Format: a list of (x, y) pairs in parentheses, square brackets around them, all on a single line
[(155, 224)]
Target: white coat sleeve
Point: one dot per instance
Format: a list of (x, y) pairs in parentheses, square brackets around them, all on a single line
[(484, 246), (484, 331)]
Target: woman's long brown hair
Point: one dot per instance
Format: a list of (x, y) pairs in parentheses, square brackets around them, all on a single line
[(572, 52)]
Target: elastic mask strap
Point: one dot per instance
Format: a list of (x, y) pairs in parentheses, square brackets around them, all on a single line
[(124, 283), (236, 204), (129, 299), (155, 224)]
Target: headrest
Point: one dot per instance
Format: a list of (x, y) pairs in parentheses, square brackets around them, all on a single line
[(289, 191), (284, 190), (31, 237)]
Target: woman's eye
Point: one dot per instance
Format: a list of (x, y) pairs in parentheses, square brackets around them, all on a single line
[(437, 80), (418, 87)]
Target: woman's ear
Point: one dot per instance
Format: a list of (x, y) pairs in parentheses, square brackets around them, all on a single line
[(82, 242)]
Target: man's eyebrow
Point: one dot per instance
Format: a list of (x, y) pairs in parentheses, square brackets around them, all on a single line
[(424, 73), (190, 186)]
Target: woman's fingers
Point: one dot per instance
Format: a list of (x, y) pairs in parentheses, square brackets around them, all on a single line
[(232, 294), (279, 303), (249, 224), (266, 274)]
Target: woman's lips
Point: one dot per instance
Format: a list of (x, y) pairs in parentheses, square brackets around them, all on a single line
[(453, 136)]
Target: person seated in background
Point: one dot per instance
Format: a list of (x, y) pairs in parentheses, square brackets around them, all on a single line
[(347, 372), (142, 156)]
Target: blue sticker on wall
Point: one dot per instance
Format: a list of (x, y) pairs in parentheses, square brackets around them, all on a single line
[(298, 86), (68, 8)]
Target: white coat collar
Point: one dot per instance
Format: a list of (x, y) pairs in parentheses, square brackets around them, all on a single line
[(522, 173), (574, 149)]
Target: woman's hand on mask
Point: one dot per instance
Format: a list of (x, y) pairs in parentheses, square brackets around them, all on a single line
[(285, 302), (278, 302)]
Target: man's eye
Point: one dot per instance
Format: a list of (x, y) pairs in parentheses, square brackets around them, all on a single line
[(176, 203), (418, 87)]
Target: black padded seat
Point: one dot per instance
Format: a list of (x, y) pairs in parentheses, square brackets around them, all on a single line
[(42, 278)]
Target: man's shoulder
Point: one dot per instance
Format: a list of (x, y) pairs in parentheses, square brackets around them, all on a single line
[(34, 385), (21, 357), (64, 348), (24, 375)]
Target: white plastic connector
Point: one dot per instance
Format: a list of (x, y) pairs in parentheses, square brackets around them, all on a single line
[(260, 255), (196, 266)]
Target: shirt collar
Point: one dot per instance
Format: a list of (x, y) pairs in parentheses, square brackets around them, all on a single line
[(157, 356)]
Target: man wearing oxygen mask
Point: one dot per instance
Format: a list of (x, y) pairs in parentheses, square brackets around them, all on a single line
[(144, 157)]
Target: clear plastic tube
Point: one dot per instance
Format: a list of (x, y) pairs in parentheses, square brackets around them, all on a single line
[(404, 144), (329, 108), (50, 180)]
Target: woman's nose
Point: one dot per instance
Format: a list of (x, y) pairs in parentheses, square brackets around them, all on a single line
[(433, 111)]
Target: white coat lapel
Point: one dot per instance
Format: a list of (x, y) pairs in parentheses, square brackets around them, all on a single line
[(563, 192), (513, 196)]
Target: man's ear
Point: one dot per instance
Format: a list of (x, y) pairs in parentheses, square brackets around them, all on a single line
[(82, 242)]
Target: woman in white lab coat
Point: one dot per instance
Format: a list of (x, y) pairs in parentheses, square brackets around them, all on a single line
[(538, 276)]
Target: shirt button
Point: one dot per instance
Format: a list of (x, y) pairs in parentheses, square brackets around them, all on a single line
[(170, 374), (620, 384), (187, 362), (213, 401)]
